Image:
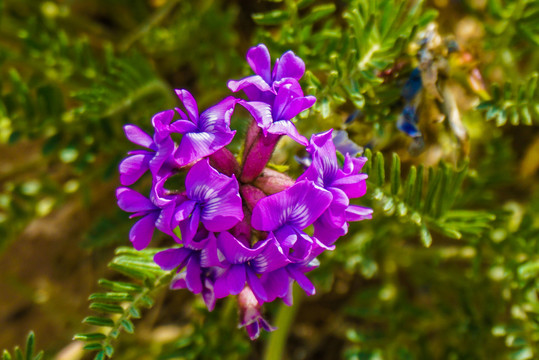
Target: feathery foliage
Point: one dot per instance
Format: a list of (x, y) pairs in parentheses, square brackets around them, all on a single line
[(517, 103), (123, 300), (425, 197), (27, 354), (446, 269)]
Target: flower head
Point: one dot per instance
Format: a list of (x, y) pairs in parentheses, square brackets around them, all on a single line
[(241, 228), (202, 135), (263, 85), (210, 198)]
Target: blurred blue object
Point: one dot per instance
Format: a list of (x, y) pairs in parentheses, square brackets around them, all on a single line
[(412, 85), (407, 121), (353, 116)]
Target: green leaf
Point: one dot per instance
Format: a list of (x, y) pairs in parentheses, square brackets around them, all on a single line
[(98, 321), (93, 347), (106, 308), (380, 171), (128, 325), (395, 174), (318, 12), (89, 337), (30, 345), (111, 297), (275, 17), (426, 238), (119, 286)]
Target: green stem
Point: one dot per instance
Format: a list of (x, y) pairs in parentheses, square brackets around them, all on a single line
[(138, 302), (277, 341), (154, 20)]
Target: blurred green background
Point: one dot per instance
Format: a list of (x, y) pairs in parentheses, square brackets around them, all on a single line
[(447, 268)]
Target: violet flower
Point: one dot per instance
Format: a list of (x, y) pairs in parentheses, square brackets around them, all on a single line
[(211, 198), (278, 283), (140, 161), (202, 135), (262, 86), (275, 118), (196, 258), (151, 216), (244, 263), (250, 316), (343, 184), (287, 213)]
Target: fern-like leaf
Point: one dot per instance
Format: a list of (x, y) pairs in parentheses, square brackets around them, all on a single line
[(518, 103), (424, 203), (27, 354), (122, 301)]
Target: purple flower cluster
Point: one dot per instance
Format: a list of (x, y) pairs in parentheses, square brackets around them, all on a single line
[(242, 229)]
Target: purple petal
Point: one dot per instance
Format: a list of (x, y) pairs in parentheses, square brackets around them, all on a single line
[(253, 330), (299, 206), (326, 232), (217, 117), (265, 325), (296, 106), (196, 145), (287, 236), (302, 248), (272, 258), (235, 251), (288, 103), (131, 201), (171, 258), (208, 295), (189, 103), (178, 282), (277, 283), (353, 165), (141, 233), (183, 211), (163, 153), (256, 286), (324, 155), (183, 126), (193, 273), (260, 111), (189, 227), (289, 65), (210, 255), (357, 213), (203, 182), (133, 167), (302, 280), (353, 185), (291, 85), (259, 60), (200, 240), (235, 278), (335, 214), (137, 136), (249, 85), (219, 193), (165, 221), (161, 122), (286, 127)]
